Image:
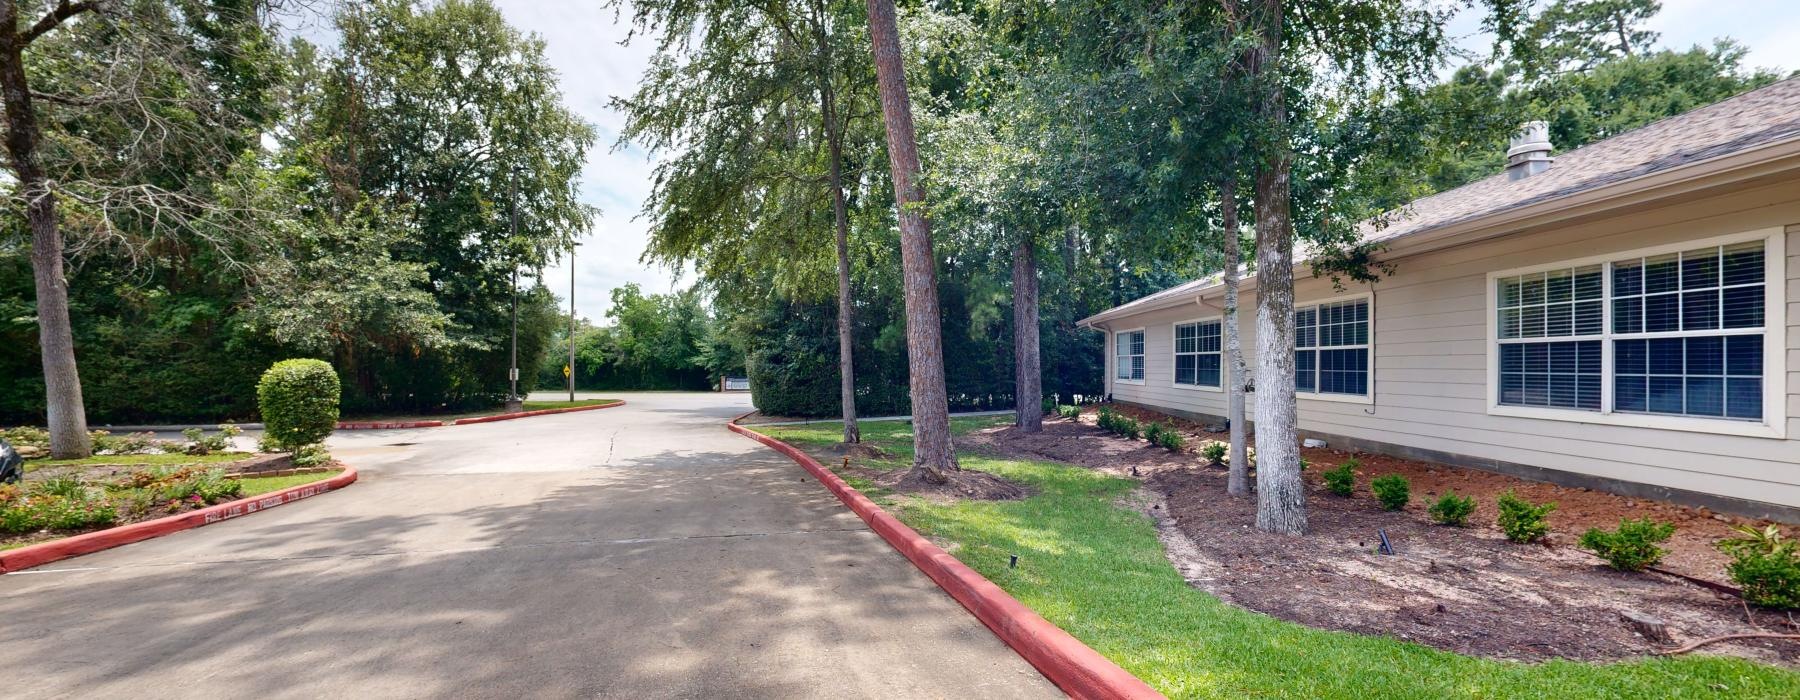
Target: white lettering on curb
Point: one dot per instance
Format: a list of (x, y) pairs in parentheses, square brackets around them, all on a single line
[(263, 503)]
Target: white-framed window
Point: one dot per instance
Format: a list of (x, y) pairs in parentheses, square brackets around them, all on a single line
[(1331, 349), (1198, 358), (1685, 336), (1128, 356)]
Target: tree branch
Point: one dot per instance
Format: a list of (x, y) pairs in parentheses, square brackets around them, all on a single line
[(56, 16)]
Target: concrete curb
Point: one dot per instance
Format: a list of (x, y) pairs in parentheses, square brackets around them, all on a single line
[(528, 414), (1074, 667), (378, 425), (402, 425), (46, 552)]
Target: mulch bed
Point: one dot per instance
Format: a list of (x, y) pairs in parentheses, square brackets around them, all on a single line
[(1466, 590)]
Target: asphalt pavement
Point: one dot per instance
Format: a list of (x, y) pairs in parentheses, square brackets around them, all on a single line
[(641, 551)]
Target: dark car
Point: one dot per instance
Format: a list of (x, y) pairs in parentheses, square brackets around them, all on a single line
[(12, 466)]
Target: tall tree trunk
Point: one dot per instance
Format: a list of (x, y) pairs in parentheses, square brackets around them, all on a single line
[(66, 417), (1280, 492), (932, 451), (1029, 381), (1238, 482), (834, 144)]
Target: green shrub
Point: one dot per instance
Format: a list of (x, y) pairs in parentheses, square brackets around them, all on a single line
[(1129, 427), (58, 507), (1069, 412), (311, 456), (299, 401), (1342, 480), (1109, 419), (1393, 491), (27, 436), (62, 487), (1522, 520), (1048, 405), (200, 443), (1632, 547), (1171, 440), (1153, 432), (1766, 566), (1452, 510), (1215, 451)]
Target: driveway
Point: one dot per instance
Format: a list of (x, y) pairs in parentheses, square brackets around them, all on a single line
[(641, 551)]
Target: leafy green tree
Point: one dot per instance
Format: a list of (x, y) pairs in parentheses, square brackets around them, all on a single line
[(767, 104), (440, 111), (114, 113)]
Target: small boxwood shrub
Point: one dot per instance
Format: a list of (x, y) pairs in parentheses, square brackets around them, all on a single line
[(299, 402), (1393, 491), (1632, 547), (1342, 480), (1069, 412), (1765, 565), (1109, 419), (1171, 440), (1215, 451), (1130, 428), (1452, 510), (311, 456), (1154, 432), (1522, 520)]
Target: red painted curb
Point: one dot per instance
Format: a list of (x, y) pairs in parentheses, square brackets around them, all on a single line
[(1074, 667), (377, 425), (38, 554), (528, 414)]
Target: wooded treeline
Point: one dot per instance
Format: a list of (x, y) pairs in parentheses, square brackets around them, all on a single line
[(227, 198), (1104, 149)]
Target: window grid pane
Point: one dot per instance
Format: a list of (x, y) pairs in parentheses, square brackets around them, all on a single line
[(1346, 325), (1554, 304), (1197, 348), (1128, 356)]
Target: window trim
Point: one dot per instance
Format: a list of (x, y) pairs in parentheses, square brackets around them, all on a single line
[(1367, 398), (1115, 356), (1224, 368), (1774, 332)]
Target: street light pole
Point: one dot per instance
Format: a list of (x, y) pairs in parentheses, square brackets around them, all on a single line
[(513, 403), (571, 368)]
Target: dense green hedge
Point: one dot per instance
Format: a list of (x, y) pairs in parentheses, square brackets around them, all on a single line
[(299, 400)]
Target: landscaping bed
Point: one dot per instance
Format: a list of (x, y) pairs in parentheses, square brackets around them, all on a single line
[(1092, 563), (1463, 589), (138, 478)]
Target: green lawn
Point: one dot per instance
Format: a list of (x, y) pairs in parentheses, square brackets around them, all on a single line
[(1096, 569), (257, 486)]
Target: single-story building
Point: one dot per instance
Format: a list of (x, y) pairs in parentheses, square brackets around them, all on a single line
[(1624, 316)]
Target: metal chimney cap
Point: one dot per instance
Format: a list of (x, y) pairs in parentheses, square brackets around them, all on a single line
[(1533, 136)]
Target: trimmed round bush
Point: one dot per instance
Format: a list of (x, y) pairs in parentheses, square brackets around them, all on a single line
[(299, 401)]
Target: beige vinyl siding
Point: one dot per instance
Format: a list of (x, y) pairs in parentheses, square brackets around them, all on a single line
[(1431, 372)]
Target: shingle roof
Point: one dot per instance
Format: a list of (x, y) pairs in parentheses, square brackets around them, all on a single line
[(1756, 118)]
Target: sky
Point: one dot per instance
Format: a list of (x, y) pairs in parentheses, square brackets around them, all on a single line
[(584, 42)]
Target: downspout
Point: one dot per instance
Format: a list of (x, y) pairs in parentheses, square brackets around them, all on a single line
[(1374, 307)]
